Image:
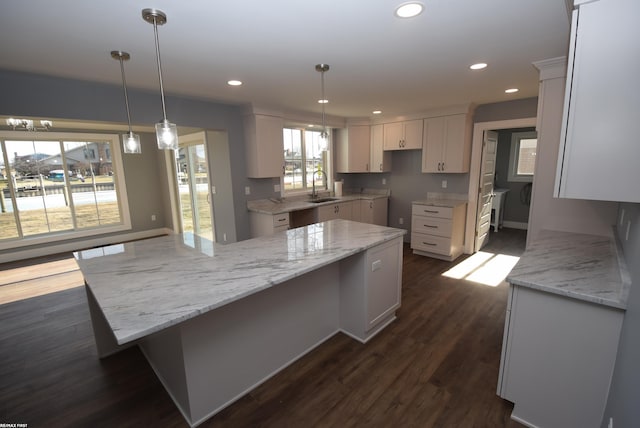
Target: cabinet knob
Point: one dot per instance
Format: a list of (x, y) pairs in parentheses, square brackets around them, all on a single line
[(380, 167)]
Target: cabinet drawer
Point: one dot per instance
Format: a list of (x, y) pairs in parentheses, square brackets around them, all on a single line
[(431, 211), (431, 225), (281, 219), (431, 243)]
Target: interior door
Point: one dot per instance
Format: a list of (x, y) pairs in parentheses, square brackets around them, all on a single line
[(193, 180), (485, 188)]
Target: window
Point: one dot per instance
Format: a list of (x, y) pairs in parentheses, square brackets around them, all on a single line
[(57, 186), (522, 159), (304, 156)]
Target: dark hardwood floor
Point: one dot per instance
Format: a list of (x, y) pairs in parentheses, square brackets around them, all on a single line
[(435, 366)]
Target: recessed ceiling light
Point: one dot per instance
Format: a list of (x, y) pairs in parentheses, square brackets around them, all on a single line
[(511, 90), (377, 112), (234, 83), (323, 101), (478, 66), (409, 10)]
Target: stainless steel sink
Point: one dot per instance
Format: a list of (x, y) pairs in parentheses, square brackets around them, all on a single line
[(320, 200)]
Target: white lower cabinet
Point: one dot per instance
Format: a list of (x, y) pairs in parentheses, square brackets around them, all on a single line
[(371, 289), (558, 355), (437, 231), (267, 224), (341, 210), (374, 211)]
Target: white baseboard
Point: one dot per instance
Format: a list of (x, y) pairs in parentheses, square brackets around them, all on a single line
[(515, 225), (82, 244)]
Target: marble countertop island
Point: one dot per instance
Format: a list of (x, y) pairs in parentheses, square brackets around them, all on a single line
[(146, 286), (584, 267), (440, 202)]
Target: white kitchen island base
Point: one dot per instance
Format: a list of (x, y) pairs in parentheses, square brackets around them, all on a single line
[(210, 360)]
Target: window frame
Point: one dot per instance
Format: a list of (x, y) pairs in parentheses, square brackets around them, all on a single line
[(119, 186), (514, 156), (326, 161)]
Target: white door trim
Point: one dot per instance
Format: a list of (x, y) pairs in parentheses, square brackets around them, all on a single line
[(474, 171)]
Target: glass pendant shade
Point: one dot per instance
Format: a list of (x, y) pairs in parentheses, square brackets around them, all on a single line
[(167, 135), (131, 143)]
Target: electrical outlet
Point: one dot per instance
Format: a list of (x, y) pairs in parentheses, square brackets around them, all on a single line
[(384, 181), (247, 190), (224, 237), (610, 423), (276, 187), (400, 220), (444, 184), (153, 217), (213, 190)]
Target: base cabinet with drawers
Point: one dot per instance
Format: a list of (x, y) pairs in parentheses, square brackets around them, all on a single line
[(438, 231), (267, 224)]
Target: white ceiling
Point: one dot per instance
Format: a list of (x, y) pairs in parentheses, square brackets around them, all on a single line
[(377, 60)]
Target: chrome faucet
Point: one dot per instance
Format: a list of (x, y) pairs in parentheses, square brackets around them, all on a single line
[(314, 194)]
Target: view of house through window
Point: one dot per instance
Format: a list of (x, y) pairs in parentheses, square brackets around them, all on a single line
[(522, 160), (48, 186), (304, 156)]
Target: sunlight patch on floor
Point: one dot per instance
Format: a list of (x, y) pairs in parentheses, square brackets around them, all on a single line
[(38, 280), (483, 268)]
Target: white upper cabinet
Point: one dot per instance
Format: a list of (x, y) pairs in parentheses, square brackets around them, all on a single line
[(352, 149), (447, 144), (380, 160), (405, 135), (264, 148), (600, 143)]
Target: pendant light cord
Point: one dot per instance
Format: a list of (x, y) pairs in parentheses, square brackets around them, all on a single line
[(324, 100), (126, 98), (155, 32)]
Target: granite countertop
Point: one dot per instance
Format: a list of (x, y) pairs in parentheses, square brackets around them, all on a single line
[(584, 267), (440, 202), (275, 206), (145, 286)]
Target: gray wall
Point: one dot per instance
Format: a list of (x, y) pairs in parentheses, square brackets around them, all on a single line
[(514, 208), (507, 110), (625, 386), (35, 95)]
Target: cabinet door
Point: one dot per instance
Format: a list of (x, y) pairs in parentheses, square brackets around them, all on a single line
[(264, 146), (353, 149), (380, 211), (344, 209), (457, 144), (366, 211), (598, 157), (380, 161), (326, 213), (392, 134), (384, 281), (412, 134), (434, 135)]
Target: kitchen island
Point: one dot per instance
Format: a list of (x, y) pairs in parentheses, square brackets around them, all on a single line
[(214, 321)]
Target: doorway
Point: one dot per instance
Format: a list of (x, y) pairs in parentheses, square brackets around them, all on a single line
[(476, 189), (194, 184)]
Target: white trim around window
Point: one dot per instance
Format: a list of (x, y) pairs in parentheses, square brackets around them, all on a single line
[(515, 161)]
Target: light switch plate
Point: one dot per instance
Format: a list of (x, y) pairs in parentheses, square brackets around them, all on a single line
[(247, 190)]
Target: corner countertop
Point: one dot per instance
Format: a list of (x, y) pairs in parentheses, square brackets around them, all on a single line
[(441, 202), (145, 286), (579, 266), (279, 206)]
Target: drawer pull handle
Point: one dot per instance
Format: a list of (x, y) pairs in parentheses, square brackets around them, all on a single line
[(428, 225), (282, 219), (431, 212), (429, 243)]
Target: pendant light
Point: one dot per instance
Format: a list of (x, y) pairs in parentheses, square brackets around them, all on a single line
[(166, 132), (130, 141), (324, 136)]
